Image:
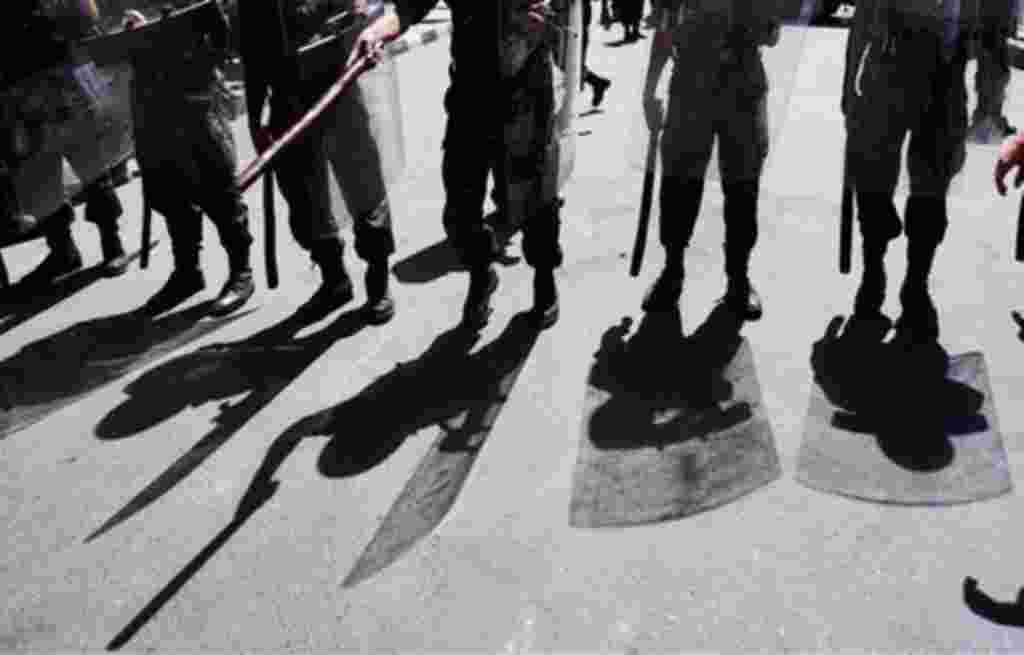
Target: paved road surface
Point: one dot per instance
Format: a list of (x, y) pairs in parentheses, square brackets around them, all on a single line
[(221, 520)]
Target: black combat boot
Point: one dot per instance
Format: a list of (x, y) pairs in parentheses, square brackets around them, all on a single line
[(115, 260), (740, 212), (742, 299), (336, 289), (664, 294), (238, 288), (867, 304), (599, 85), (64, 257), (380, 306), (926, 219), (476, 311), (186, 280), (237, 241), (545, 298)]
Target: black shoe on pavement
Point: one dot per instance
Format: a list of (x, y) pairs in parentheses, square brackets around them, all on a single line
[(115, 260), (545, 299), (664, 294), (742, 299), (237, 291), (477, 310), (57, 264), (380, 306), (180, 286)]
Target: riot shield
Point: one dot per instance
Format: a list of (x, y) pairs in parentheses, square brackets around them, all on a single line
[(539, 69), (66, 126), (718, 78), (362, 131)]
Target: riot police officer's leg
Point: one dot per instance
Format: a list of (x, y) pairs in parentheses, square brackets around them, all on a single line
[(686, 144), (64, 257), (874, 147), (742, 131), (465, 166), (103, 209), (356, 163), (598, 84), (541, 248), (302, 174), (935, 155), (166, 188), (216, 158)]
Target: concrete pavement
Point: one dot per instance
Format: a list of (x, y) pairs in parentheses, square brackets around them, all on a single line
[(231, 492)]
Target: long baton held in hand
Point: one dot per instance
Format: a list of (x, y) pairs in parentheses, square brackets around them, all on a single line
[(846, 220), (1020, 232), (646, 200), (147, 227), (270, 229), (256, 168)]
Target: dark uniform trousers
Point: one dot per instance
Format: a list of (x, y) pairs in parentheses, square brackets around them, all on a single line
[(186, 151), (906, 83), (724, 100), (520, 148), (343, 141)]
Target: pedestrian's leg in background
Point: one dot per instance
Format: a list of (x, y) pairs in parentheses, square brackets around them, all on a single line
[(597, 83), (991, 79)]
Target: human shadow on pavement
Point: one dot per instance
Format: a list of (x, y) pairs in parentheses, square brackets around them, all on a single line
[(54, 372), (441, 385), (439, 259), (898, 394), (664, 387), (261, 367), (20, 304), (983, 605), (462, 396)]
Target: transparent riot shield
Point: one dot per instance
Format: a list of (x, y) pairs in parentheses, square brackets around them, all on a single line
[(66, 127), (539, 70), (362, 131), (718, 79)]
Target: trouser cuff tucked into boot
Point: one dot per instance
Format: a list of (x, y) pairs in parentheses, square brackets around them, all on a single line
[(336, 288)]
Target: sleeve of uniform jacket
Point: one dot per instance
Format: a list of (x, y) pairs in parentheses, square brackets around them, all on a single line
[(411, 12)]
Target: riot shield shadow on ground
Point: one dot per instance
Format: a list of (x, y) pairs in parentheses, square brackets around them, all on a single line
[(54, 372), (262, 365), (985, 606), (463, 394), (672, 426), (893, 423), (661, 374), (899, 396)]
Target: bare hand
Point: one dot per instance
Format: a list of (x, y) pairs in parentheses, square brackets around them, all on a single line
[(370, 42), (537, 14), (1011, 155)]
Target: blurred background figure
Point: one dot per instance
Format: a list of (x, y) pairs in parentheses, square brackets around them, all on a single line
[(598, 84), (992, 77), (629, 13)]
